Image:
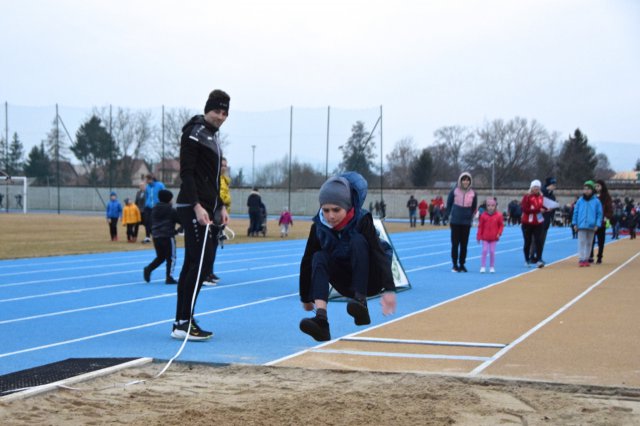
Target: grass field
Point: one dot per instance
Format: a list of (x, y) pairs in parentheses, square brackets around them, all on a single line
[(36, 235)]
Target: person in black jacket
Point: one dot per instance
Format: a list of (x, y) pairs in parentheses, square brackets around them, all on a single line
[(344, 251), (163, 230), (254, 203), (199, 197)]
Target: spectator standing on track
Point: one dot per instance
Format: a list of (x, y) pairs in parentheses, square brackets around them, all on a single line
[(199, 198), (140, 201), (344, 249), (412, 205), (423, 208), (515, 212), (631, 221), (152, 189), (225, 195), (602, 193), (462, 203), (490, 227), (131, 218), (616, 219), (587, 216), (533, 223), (165, 218), (254, 202), (285, 221), (114, 212)]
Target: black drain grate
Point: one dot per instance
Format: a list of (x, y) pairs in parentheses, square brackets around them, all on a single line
[(50, 373)]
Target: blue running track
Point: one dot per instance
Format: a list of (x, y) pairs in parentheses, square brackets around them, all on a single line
[(99, 306)]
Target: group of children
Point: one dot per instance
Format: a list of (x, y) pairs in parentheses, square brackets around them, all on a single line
[(130, 214)]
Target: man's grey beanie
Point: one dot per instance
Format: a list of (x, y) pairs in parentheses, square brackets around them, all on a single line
[(336, 190)]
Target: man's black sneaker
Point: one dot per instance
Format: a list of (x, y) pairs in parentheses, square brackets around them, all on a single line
[(461, 268), (195, 333), (316, 328), (359, 312), (210, 280), (146, 273), (599, 261), (170, 280), (455, 268)]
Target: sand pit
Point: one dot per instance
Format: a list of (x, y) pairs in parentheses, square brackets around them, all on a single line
[(250, 395)]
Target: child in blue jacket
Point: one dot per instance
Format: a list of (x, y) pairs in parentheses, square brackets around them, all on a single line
[(114, 212), (587, 215)]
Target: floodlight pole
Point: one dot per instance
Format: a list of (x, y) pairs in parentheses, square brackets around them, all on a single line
[(290, 151), (326, 161), (58, 156), (381, 158), (253, 166)]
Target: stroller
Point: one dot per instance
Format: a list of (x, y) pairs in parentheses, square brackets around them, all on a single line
[(263, 216)]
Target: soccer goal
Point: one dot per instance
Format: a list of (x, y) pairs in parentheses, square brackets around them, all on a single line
[(13, 193)]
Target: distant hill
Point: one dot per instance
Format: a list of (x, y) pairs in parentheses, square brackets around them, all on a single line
[(622, 155)]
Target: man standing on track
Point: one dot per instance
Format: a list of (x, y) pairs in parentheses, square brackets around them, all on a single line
[(199, 198)]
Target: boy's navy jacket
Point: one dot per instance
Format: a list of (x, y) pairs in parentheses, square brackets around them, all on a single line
[(163, 221), (336, 243), (114, 209)]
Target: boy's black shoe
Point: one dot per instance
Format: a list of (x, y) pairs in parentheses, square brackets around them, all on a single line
[(146, 273), (455, 268), (170, 280), (359, 312), (195, 333), (461, 268), (316, 328)]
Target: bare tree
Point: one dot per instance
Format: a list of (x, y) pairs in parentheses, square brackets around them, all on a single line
[(174, 121), (509, 149), (276, 174), (399, 162), (447, 152), (603, 167), (133, 133)]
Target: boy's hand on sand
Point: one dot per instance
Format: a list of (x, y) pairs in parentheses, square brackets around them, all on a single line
[(388, 303), (307, 306)]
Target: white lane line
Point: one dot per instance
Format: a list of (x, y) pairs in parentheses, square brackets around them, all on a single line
[(147, 325), (423, 342), (80, 290), (134, 271), (400, 355), (144, 257), (409, 315), (142, 299), (550, 318), (478, 257)]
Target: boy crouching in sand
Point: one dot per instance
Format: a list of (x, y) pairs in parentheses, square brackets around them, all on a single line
[(344, 251)]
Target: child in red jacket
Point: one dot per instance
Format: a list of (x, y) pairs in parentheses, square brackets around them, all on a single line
[(490, 229)]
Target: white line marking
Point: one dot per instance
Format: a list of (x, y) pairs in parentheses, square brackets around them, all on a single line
[(423, 342), (513, 344), (137, 327), (285, 358), (401, 355), (142, 299)]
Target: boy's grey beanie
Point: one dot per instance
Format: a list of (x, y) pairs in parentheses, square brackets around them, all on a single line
[(336, 190)]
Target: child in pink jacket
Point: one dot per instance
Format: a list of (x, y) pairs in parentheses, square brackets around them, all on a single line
[(285, 221), (490, 229)]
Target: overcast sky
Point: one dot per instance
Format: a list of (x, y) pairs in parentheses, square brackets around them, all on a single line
[(565, 63)]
